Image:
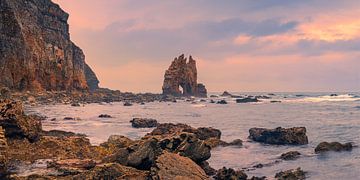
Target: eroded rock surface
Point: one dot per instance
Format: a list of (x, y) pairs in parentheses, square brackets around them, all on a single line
[(183, 74), (36, 52)]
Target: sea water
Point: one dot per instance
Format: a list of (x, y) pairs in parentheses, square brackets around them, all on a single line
[(326, 118)]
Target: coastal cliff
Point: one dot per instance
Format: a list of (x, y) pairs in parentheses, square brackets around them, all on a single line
[(36, 52)]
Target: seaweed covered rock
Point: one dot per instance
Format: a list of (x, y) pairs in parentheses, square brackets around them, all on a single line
[(174, 166), (279, 136), (333, 146), (16, 123)]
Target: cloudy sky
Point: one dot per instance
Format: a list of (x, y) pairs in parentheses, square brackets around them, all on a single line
[(239, 45)]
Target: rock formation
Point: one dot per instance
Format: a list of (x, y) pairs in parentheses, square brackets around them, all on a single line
[(183, 74), (36, 52), (280, 136)]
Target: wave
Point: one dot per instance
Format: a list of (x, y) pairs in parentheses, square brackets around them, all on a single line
[(332, 98)]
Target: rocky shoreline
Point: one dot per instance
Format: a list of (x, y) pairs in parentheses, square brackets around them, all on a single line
[(170, 151)]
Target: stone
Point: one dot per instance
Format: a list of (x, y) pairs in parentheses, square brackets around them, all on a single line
[(78, 164), (207, 168), (333, 146), (173, 166), (225, 93), (279, 136), (222, 102), (16, 123), (229, 174), (204, 133), (292, 155), (183, 74), (143, 123), (36, 52), (104, 116), (112, 171), (143, 154), (117, 141), (292, 174), (166, 129), (247, 100), (127, 104)]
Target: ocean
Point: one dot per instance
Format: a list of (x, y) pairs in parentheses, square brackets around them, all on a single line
[(326, 118)]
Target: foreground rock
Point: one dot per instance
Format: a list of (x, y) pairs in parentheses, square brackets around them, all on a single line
[(292, 155), (183, 74), (292, 174), (143, 123), (229, 173), (280, 136), (173, 166), (36, 51), (16, 123), (333, 146), (3, 154)]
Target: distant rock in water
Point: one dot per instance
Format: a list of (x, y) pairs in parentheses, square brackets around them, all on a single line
[(279, 136), (183, 74), (143, 123), (333, 146), (36, 52)]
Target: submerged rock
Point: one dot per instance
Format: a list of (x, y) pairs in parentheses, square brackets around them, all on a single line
[(247, 100), (229, 173), (173, 166), (292, 155), (183, 74), (143, 123), (333, 146), (292, 174), (104, 116), (16, 123), (221, 102), (280, 136)]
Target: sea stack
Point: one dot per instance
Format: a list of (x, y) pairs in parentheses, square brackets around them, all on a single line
[(36, 52), (183, 73)]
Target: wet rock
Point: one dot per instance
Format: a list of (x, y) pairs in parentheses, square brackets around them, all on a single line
[(115, 142), (214, 96), (75, 104), (184, 74), (173, 166), (72, 166), (215, 142), (3, 154), (59, 133), (104, 116), (333, 146), (225, 93), (204, 133), (221, 102), (165, 129), (279, 136), (69, 118), (127, 104), (143, 123), (212, 101), (275, 101), (207, 168), (258, 178), (292, 174), (229, 173), (16, 123), (112, 171), (143, 154), (247, 100), (292, 155), (236, 142)]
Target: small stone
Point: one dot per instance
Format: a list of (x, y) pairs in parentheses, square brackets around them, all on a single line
[(222, 102), (104, 116), (292, 155), (292, 174)]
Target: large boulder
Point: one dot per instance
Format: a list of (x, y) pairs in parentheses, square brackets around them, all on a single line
[(36, 52), (183, 74), (143, 154), (279, 136), (16, 123), (333, 146), (173, 166)]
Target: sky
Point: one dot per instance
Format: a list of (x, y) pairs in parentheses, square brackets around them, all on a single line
[(239, 45)]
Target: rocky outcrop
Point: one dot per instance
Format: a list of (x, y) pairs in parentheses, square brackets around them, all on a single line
[(174, 166), (279, 136), (292, 174), (143, 123), (333, 146), (183, 74), (229, 173), (16, 123), (36, 52)]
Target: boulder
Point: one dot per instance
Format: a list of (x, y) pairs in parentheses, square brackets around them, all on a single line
[(166, 129), (207, 168), (229, 173), (143, 154), (291, 155), (292, 174), (115, 142), (143, 123), (333, 146), (183, 74), (227, 94), (280, 136), (112, 171), (16, 123), (173, 166), (104, 116), (127, 104), (247, 100), (221, 102)]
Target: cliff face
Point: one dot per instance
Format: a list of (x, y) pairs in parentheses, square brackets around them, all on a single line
[(36, 52), (183, 74)]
